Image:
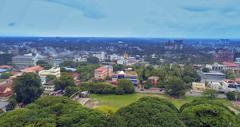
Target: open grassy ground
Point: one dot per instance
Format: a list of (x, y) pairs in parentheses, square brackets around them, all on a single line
[(118, 101)]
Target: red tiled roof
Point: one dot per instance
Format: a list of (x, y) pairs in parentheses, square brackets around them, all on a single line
[(100, 69), (32, 69), (6, 90), (6, 66), (230, 64)]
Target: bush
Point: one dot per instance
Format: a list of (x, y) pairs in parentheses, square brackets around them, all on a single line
[(231, 96)]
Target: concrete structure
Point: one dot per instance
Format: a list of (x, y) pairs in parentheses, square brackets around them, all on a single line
[(103, 72), (154, 80), (55, 71), (218, 86), (130, 75), (212, 76), (23, 61), (198, 87)]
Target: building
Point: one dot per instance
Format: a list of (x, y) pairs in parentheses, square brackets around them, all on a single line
[(6, 89), (130, 75), (23, 61), (101, 56), (55, 71), (212, 76), (230, 86), (218, 86), (198, 87), (33, 69), (103, 72), (223, 55)]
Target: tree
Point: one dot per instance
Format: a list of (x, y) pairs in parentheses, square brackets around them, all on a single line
[(5, 75), (231, 96), (44, 64), (205, 70), (27, 88), (209, 93), (230, 75), (64, 81), (205, 113), (70, 90), (93, 60), (50, 78), (147, 112), (126, 86), (175, 87), (53, 112)]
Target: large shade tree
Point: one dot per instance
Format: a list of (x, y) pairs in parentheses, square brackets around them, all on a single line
[(147, 112), (27, 88)]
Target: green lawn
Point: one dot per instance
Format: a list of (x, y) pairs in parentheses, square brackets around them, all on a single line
[(118, 101)]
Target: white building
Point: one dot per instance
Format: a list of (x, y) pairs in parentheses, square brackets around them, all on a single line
[(55, 71)]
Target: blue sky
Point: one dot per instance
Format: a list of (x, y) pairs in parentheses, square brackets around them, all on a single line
[(121, 18)]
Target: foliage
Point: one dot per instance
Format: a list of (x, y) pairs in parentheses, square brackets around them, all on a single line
[(44, 64), (5, 75), (93, 60), (175, 87), (98, 87), (64, 81), (124, 86), (205, 70), (230, 75), (118, 67), (148, 84), (71, 64), (27, 88), (147, 112), (208, 114), (107, 110), (12, 103), (70, 90), (50, 78), (231, 96), (52, 112), (86, 71), (210, 93)]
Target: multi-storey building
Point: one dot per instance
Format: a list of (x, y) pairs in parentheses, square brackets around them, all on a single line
[(103, 72)]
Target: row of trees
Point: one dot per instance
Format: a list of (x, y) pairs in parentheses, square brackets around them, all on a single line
[(124, 86), (146, 112)]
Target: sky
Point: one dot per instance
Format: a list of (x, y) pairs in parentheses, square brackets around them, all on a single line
[(121, 18)]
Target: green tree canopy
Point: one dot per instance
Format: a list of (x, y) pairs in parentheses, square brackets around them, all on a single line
[(64, 81), (208, 114), (44, 64), (126, 86), (93, 60), (175, 87), (53, 112), (147, 112), (27, 88)]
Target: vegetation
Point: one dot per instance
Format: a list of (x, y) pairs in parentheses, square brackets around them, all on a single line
[(44, 64), (52, 112), (64, 81), (86, 71), (5, 75), (124, 86), (175, 87), (209, 93), (205, 113), (93, 60), (27, 88), (147, 112)]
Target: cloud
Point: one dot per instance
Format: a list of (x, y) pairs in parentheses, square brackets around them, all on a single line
[(88, 10)]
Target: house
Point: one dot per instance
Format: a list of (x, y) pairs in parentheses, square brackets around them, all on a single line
[(48, 87), (212, 76), (33, 69), (231, 85), (218, 86), (103, 72), (55, 71), (198, 87)]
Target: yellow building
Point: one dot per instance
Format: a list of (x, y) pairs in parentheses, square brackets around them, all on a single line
[(198, 87)]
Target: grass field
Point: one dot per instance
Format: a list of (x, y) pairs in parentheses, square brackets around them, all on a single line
[(118, 101)]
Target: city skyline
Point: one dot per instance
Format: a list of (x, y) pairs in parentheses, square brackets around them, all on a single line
[(108, 18)]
